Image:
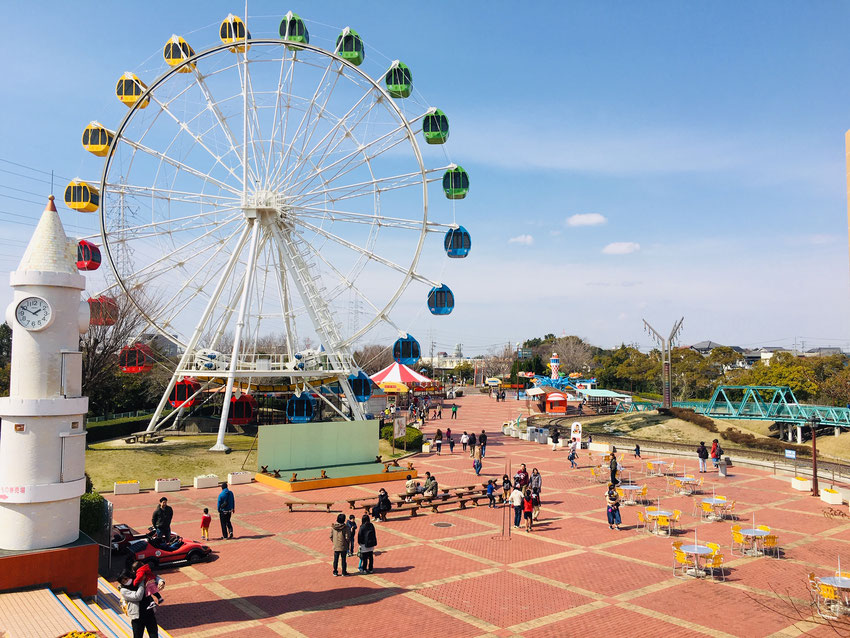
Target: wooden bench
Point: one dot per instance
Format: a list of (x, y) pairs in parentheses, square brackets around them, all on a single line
[(353, 502), (144, 437), (325, 504), (434, 505), (413, 508)]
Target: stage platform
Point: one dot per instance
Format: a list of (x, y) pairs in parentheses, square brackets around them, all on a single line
[(72, 567), (336, 476)]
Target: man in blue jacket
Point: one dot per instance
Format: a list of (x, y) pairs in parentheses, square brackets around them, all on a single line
[(226, 507)]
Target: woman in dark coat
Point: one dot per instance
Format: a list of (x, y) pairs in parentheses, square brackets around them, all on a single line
[(384, 505), (368, 540)]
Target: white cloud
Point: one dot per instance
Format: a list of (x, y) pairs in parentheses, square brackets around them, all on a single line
[(587, 219), (525, 240), (621, 248)]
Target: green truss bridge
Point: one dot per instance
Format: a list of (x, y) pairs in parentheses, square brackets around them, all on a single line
[(757, 402)]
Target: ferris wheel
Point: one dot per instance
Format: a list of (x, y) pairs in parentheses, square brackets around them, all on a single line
[(250, 191)]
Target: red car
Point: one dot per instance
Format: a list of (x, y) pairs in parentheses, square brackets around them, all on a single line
[(150, 549)]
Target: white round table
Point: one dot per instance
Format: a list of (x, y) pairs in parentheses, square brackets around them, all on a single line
[(629, 491), (755, 534), (696, 551), (655, 513), (714, 502)]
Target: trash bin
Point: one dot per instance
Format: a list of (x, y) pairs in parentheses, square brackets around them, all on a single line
[(721, 468)]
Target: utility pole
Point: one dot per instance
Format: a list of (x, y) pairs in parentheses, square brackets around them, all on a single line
[(666, 359), (813, 424)]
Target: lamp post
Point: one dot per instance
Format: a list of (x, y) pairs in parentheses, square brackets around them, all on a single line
[(813, 423)]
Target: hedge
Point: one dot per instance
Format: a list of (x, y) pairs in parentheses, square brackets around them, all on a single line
[(92, 514), (413, 438), (692, 417), (114, 429)]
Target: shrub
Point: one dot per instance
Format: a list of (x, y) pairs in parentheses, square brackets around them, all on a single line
[(412, 437), (93, 514), (748, 439), (692, 417)]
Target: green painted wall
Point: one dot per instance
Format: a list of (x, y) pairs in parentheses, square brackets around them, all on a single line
[(295, 446)]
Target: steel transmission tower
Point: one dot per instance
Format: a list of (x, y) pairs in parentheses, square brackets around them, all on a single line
[(666, 364)]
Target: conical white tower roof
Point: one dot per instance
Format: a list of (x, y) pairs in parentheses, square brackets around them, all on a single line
[(49, 249)]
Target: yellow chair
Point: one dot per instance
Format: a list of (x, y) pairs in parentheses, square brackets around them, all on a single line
[(649, 469), (621, 493), (674, 520), (714, 547), (764, 528), (671, 485), (736, 528), (842, 574), (813, 583), (642, 495), (715, 561), (642, 522), (707, 511), (651, 508), (697, 487), (677, 545), (827, 601), (769, 545), (682, 562), (662, 521), (739, 540)]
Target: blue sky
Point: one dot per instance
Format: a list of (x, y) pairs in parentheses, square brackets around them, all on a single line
[(708, 138)]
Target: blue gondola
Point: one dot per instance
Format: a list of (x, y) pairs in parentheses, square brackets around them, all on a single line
[(361, 386), (441, 300), (301, 409), (406, 351), (457, 242)]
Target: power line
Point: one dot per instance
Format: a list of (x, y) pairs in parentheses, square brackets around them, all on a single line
[(30, 168)]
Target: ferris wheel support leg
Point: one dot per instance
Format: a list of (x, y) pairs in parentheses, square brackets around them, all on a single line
[(190, 347), (237, 337)]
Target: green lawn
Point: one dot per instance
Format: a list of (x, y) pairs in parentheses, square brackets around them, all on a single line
[(183, 457)]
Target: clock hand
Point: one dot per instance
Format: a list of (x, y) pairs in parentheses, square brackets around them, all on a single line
[(38, 311), (27, 309)]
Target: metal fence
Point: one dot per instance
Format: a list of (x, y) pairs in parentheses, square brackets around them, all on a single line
[(119, 415)]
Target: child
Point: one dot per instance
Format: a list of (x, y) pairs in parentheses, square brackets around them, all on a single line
[(491, 489), (144, 574), (206, 519), (352, 536)]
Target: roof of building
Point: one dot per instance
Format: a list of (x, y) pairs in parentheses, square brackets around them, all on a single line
[(610, 394), (49, 249)]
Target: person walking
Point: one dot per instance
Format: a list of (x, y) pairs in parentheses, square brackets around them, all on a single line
[(491, 493), (448, 434), (477, 459), (454, 411), (140, 606), (716, 452), (482, 443), (522, 476), (612, 499), (573, 455), (226, 507), (637, 450), (556, 438), (614, 466), (535, 501), (527, 509), (464, 440), (161, 519), (536, 480), (451, 442), (516, 501), (506, 488), (339, 538), (438, 440), (440, 411), (472, 443), (368, 540), (352, 535), (702, 453)]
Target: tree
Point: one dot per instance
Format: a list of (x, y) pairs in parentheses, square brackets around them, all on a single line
[(574, 353), (373, 358), (836, 389), (784, 369), (5, 344), (463, 371), (498, 361)]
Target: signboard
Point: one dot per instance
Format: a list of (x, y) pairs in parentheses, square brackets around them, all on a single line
[(575, 431), (524, 353), (399, 425), (791, 454)]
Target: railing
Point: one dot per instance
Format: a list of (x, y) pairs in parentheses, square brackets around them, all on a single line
[(119, 415)]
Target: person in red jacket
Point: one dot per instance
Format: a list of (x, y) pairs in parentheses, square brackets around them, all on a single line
[(527, 509)]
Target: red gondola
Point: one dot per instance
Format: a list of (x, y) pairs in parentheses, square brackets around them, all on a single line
[(242, 410), (88, 256), (136, 358), (104, 311), (181, 394)]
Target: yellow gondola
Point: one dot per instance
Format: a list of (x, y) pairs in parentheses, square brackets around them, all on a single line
[(130, 88), (176, 51), (97, 138), (82, 196), (233, 30)]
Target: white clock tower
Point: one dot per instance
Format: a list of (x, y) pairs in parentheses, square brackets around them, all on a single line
[(42, 435)]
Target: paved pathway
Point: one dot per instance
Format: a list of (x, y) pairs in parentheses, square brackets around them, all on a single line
[(571, 576)]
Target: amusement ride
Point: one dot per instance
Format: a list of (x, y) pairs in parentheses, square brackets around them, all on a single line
[(249, 192)]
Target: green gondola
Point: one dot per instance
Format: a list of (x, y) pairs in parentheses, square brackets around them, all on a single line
[(349, 46), (399, 80), (293, 29), (435, 127), (456, 182)]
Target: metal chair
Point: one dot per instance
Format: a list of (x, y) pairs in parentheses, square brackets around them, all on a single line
[(715, 562)]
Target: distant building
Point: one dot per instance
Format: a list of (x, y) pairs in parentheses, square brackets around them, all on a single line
[(161, 344), (826, 351)]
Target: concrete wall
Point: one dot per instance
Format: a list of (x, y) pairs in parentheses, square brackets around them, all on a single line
[(295, 446)]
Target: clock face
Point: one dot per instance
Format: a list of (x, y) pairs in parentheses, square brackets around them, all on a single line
[(33, 313)]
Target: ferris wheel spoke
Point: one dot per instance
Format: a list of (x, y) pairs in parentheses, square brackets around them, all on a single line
[(371, 255), (198, 139), (186, 218), (364, 218), (282, 79), (178, 164), (252, 118), (380, 184), (154, 192), (174, 231), (215, 110)]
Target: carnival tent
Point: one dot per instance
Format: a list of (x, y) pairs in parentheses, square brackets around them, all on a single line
[(399, 373)]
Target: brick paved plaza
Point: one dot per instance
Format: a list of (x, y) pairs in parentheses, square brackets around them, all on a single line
[(572, 576)]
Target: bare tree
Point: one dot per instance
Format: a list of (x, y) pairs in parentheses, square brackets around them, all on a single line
[(373, 358), (573, 352), (498, 361)]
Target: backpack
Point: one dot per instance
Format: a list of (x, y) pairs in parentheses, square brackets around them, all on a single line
[(719, 451)]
